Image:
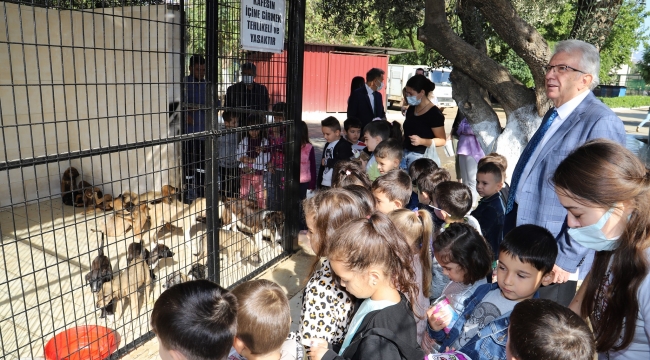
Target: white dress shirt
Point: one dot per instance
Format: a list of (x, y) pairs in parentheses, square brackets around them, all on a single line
[(371, 95)]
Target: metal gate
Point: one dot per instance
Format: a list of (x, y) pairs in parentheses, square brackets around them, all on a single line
[(131, 156)]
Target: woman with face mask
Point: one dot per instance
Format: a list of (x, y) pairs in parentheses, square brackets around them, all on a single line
[(424, 125), (606, 192)]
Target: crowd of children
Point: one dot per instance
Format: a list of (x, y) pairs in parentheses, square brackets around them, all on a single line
[(404, 269)]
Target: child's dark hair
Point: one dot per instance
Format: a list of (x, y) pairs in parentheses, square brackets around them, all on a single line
[(196, 318), (304, 133), (454, 198), (419, 83), (280, 107), (417, 228), (460, 243), (364, 194), (332, 123), (491, 168), (421, 166), (348, 172), (254, 119), (384, 130), (531, 244), (375, 241), (352, 123), (263, 315), (391, 149), (427, 182), (544, 329), (228, 116), (357, 82), (396, 185)]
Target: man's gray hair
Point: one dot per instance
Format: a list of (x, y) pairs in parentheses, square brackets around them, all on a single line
[(589, 59)]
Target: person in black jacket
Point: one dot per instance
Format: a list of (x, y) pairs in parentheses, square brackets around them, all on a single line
[(490, 211), (359, 104), (334, 150), (373, 262)]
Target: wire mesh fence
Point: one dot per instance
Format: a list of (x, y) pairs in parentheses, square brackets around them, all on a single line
[(141, 146)]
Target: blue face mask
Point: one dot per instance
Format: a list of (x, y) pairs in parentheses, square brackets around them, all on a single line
[(413, 100), (592, 236)]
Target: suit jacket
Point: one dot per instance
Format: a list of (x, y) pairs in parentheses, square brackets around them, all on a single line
[(342, 151), (538, 204), (359, 106)]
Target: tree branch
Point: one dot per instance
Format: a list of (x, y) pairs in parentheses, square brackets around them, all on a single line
[(594, 20)]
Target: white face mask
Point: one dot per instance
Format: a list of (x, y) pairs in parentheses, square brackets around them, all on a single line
[(247, 79), (381, 86), (592, 236), (413, 100)]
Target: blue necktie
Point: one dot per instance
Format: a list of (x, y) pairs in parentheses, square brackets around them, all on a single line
[(525, 157)]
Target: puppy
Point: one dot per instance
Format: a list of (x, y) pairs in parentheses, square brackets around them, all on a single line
[(185, 218), (101, 270), (238, 244), (161, 214), (159, 252), (104, 203), (174, 278), (244, 215), (273, 226), (197, 272), (118, 224), (126, 284), (68, 186), (167, 194), (125, 202), (84, 196)]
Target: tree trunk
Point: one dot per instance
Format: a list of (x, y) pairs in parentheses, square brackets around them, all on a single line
[(594, 20)]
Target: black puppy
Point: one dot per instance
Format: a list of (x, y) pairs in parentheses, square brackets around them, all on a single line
[(101, 271), (68, 186), (197, 272), (152, 258)]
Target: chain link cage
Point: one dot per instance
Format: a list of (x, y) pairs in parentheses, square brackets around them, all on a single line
[(141, 147)]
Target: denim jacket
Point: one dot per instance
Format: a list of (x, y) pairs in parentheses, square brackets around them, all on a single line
[(490, 342)]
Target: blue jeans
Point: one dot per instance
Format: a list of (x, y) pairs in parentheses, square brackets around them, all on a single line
[(409, 157)]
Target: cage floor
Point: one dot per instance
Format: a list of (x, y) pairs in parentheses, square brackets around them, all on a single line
[(47, 249)]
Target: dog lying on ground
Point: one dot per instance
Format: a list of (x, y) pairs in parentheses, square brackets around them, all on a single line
[(244, 215), (236, 244), (68, 186), (101, 271), (167, 194), (152, 258), (119, 223), (126, 284), (104, 203), (81, 199), (125, 202)]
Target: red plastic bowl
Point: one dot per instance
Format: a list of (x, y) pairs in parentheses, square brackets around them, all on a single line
[(89, 342)]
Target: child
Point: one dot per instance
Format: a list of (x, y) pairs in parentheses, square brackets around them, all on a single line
[(388, 155), (417, 228), (352, 128), (502, 163), (374, 133), (526, 262), (417, 168), (307, 168), (326, 306), (544, 329), (195, 320), (392, 191), (263, 322), (348, 172), (274, 176), (334, 151), (451, 203), (363, 194), (372, 259), (253, 159), (228, 161), (427, 183), (490, 211)]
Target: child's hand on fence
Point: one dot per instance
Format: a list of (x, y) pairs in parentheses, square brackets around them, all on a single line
[(317, 349), (438, 320)]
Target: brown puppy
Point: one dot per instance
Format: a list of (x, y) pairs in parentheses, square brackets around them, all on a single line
[(101, 270), (244, 215), (84, 196), (159, 252), (118, 224), (174, 278), (234, 243), (125, 202), (102, 202), (167, 195), (68, 186), (126, 284)]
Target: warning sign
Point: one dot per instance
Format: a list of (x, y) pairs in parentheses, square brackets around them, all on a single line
[(262, 25)]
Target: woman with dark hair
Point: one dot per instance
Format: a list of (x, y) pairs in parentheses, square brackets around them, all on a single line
[(424, 125), (357, 82), (606, 191)]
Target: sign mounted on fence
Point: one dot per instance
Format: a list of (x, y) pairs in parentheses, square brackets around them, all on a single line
[(262, 25)]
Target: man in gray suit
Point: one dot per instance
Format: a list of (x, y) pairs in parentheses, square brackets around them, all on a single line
[(577, 117)]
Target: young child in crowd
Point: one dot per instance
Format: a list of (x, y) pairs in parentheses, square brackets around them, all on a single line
[(526, 260), (348, 172), (253, 157), (307, 168), (544, 329), (195, 320), (228, 161), (334, 151), (466, 260), (417, 228), (352, 128), (451, 203), (490, 211), (426, 184), (274, 175), (417, 168), (372, 259), (374, 133), (263, 322), (388, 155), (363, 194), (502, 163), (325, 213), (392, 191)]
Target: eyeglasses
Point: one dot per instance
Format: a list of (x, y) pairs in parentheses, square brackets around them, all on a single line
[(560, 69)]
